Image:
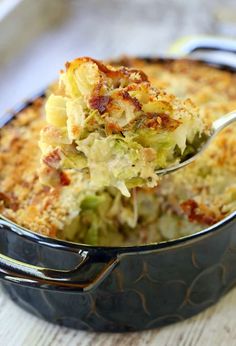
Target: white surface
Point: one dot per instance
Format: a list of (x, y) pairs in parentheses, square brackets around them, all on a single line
[(6, 6), (39, 36), (35, 41)]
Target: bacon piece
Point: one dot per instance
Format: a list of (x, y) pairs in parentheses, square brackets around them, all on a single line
[(127, 72), (53, 159), (100, 103), (64, 179), (162, 121), (9, 201), (168, 123), (194, 213), (133, 100), (112, 128)]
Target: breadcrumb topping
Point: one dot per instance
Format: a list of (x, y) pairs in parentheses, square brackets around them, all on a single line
[(185, 202)]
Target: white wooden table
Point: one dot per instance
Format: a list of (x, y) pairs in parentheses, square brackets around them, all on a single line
[(214, 327), (35, 40)]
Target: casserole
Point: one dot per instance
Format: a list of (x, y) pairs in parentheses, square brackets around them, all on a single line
[(117, 288)]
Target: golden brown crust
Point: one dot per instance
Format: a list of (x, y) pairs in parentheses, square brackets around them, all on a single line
[(23, 198), (204, 192)]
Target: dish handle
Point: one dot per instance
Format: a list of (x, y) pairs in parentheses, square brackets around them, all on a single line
[(14, 271), (92, 270), (191, 44)]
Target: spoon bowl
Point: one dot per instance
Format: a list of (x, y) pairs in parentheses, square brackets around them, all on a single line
[(217, 126)]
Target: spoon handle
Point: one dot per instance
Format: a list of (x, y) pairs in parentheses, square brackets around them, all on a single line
[(224, 121)]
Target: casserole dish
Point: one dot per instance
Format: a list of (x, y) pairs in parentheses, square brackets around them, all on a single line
[(118, 288)]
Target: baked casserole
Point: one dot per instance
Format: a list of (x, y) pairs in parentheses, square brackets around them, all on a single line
[(182, 203)]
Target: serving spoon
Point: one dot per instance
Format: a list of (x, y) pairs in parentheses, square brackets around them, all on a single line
[(217, 126)]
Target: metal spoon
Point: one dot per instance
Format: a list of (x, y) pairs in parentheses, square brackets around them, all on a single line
[(217, 126)]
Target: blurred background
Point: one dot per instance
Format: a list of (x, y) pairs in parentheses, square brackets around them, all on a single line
[(37, 37)]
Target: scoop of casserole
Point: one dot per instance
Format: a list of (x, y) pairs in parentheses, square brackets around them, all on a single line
[(112, 125)]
